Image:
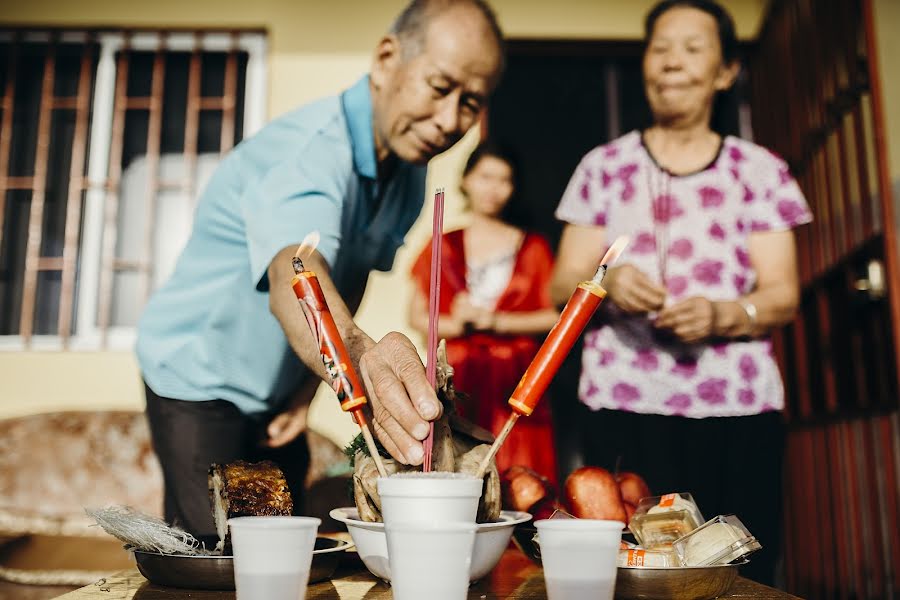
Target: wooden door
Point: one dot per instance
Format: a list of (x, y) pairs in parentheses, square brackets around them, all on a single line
[(817, 102)]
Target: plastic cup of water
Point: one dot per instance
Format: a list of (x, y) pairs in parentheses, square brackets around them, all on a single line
[(272, 556), (430, 560), (579, 557), (429, 497)]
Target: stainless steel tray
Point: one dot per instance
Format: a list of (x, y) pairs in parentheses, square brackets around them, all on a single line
[(217, 572), (675, 583)]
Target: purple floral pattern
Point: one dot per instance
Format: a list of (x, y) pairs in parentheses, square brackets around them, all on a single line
[(643, 243), (711, 197), (628, 364), (716, 231), (623, 393), (646, 360), (708, 271), (712, 391), (682, 249), (677, 285)]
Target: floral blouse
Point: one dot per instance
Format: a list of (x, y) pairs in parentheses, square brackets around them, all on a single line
[(689, 232)]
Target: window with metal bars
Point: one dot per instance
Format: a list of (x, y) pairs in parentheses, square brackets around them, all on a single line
[(106, 139)]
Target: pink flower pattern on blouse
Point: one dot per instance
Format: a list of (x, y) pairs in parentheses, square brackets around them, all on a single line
[(626, 363)]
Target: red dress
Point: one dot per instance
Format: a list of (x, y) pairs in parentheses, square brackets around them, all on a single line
[(488, 366)]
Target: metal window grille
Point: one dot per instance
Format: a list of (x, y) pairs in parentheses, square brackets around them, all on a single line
[(105, 139)]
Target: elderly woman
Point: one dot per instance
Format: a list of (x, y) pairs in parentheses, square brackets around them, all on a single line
[(679, 372)]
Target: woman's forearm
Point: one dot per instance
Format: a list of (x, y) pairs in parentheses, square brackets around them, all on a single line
[(774, 305), (448, 326), (525, 323)]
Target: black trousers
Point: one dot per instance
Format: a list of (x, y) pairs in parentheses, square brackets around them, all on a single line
[(189, 436), (729, 464)]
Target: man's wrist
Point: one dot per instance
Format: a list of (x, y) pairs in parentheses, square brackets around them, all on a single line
[(357, 342)]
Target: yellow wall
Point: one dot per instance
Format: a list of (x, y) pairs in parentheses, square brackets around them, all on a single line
[(316, 48), (887, 25)]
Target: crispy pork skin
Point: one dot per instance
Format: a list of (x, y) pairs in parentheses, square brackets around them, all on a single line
[(243, 489)]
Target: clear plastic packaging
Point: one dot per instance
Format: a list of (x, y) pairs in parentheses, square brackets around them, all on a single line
[(660, 520), (719, 541), (638, 557)]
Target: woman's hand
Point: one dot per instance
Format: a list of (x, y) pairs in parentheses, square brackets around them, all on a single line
[(691, 320), (469, 316), (632, 291), (462, 309)]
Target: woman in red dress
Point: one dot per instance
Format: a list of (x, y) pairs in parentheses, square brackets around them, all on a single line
[(495, 305)]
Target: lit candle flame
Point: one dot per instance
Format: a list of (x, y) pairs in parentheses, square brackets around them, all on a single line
[(309, 243), (615, 250)]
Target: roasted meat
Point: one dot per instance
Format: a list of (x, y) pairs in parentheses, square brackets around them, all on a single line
[(243, 489)]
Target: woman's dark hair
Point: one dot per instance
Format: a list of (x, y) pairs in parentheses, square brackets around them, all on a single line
[(489, 148), (725, 105), (510, 213), (724, 22)]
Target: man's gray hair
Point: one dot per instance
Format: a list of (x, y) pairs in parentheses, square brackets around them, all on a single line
[(411, 24)]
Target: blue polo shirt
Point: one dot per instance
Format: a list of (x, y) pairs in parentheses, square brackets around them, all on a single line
[(207, 333)]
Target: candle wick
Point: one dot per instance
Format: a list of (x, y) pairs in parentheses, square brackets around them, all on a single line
[(297, 264), (600, 274)]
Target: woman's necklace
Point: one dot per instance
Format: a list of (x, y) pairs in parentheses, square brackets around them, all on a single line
[(659, 185)]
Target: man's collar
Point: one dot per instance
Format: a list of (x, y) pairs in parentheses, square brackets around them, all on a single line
[(357, 105)]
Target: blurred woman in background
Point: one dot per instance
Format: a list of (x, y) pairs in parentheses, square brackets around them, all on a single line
[(679, 374), (495, 302)]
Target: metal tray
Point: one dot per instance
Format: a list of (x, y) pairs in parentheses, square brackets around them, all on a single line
[(676, 583), (217, 572), (649, 583)]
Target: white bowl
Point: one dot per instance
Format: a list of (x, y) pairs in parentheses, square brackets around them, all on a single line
[(491, 539)]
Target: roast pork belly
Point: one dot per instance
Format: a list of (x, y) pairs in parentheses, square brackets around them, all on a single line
[(243, 489)]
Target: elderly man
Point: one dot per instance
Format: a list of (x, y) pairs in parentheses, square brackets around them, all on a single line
[(223, 346)]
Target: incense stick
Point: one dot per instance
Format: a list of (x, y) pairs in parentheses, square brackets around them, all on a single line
[(434, 302)]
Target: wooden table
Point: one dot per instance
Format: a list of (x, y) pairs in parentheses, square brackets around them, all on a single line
[(514, 577)]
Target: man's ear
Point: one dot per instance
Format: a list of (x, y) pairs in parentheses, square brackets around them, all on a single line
[(727, 75), (385, 60)]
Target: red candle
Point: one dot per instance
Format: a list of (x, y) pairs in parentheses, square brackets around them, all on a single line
[(337, 363), (335, 358), (578, 311), (575, 316)]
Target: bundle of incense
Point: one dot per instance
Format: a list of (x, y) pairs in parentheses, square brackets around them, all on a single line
[(344, 380), (434, 303), (578, 311)]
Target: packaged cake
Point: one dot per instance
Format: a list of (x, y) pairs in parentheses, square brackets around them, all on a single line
[(719, 541), (660, 520)]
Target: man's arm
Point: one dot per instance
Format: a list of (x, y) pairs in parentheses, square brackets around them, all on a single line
[(399, 395)]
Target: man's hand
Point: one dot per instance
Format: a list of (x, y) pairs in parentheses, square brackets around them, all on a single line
[(286, 426), (401, 399), (291, 422), (632, 291), (691, 320)]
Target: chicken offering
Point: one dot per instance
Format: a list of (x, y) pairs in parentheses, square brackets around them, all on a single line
[(459, 447)]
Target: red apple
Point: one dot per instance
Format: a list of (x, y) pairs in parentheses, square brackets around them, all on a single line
[(592, 493), (522, 488), (633, 487), (629, 511)]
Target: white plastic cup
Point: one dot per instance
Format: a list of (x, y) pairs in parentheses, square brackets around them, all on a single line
[(429, 497), (430, 560), (272, 556), (579, 557)]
